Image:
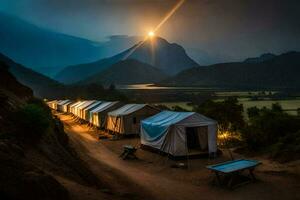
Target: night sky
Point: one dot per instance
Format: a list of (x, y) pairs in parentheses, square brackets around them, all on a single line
[(227, 30)]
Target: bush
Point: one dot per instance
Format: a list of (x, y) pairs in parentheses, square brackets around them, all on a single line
[(31, 121), (268, 127), (287, 148), (228, 113)]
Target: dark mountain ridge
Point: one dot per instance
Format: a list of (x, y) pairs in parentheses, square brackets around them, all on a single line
[(260, 59), (127, 72), (169, 58), (280, 72)]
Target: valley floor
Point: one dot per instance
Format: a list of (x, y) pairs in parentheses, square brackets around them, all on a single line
[(151, 177)]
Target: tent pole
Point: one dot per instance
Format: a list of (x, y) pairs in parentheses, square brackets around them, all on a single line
[(168, 154), (187, 150)]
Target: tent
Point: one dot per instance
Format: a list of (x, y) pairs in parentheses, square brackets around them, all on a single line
[(86, 111), (79, 111), (78, 106), (179, 133), (61, 104), (99, 114), (72, 107), (52, 104), (66, 107), (126, 120)]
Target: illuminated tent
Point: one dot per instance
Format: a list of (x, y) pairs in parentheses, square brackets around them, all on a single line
[(67, 107), (126, 120), (52, 104), (86, 111), (79, 109), (73, 106), (98, 115), (179, 133), (61, 103)]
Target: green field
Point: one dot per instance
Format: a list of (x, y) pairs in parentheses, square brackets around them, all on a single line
[(290, 105)]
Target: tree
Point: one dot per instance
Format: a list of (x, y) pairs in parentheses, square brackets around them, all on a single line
[(228, 113), (266, 126)]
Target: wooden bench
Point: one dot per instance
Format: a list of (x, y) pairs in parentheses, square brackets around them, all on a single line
[(128, 152), (228, 172)]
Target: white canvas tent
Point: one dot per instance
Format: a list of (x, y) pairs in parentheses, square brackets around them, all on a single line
[(52, 104), (66, 106), (126, 120), (61, 103), (80, 108), (55, 103), (73, 106), (86, 111), (179, 133), (98, 115)]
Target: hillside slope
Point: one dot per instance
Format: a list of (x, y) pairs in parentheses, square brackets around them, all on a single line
[(280, 72), (169, 58), (40, 84), (43, 50), (34, 148), (127, 72)]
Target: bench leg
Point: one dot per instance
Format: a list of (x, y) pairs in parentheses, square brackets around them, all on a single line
[(218, 178), (252, 176)]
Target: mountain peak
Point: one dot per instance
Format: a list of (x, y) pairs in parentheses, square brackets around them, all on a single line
[(170, 58), (262, 58)]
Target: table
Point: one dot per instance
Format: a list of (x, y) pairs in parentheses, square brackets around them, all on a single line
[(227, 172)]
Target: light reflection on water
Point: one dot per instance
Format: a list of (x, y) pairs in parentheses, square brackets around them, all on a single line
[(154, 87)]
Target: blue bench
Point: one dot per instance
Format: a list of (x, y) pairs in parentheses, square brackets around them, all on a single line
[(227, 172)]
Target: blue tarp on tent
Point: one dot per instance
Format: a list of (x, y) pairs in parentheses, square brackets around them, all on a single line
[(157, 125), (166, 131)]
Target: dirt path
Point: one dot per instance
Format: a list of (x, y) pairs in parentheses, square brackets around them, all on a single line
[(125, 176)]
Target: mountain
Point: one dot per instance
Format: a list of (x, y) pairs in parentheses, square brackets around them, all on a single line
[(75, 73), (48, 52), (169, 58), (260, 59), (40, 84), (9, 84), (280, 72), (127, 72)]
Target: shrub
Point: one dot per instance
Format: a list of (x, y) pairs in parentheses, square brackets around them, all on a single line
[(31, 121), (267, 127), (228, 113)]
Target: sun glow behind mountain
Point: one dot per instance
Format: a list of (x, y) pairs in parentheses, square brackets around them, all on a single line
[(151, 34)]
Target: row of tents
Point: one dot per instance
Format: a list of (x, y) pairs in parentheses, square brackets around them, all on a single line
[(175, 133)]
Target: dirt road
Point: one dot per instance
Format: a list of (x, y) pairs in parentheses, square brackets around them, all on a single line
[(128, 178)]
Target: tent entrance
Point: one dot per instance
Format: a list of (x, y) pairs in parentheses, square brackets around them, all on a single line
[(192, 138), (197, 138)]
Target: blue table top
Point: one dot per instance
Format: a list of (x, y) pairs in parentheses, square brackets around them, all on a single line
[(235, 165)]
